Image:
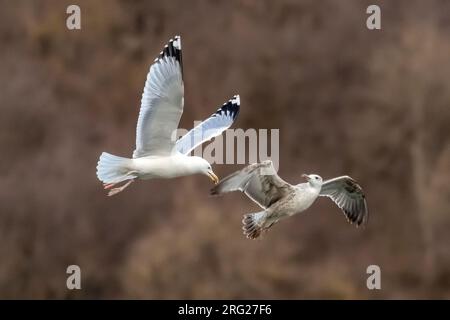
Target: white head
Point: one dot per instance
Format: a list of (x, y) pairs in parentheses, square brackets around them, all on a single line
[(200, 165), (313, 179)]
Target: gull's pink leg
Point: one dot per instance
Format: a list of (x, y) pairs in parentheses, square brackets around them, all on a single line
[(119, 189), (108, 185)]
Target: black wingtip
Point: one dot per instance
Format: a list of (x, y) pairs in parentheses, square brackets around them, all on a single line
[(231, 107), (172, 49)]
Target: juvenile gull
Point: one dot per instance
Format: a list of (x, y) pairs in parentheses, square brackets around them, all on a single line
[(157, 155), (280, 199)]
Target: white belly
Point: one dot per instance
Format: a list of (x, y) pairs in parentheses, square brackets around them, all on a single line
[(161, 167), (302, 200), (296, 202)]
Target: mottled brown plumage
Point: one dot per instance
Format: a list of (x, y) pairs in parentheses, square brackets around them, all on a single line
[(280, 199)]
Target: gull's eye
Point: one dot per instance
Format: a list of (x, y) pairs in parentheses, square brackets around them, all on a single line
[(317, 178)]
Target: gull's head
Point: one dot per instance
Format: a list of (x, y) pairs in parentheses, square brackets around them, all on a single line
[(202, 166), (313, 179)]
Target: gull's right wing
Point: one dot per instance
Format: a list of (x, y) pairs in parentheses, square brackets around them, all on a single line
[(348, 195), (217, 123)]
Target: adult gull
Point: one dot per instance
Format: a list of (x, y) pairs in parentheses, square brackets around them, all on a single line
[(280, 200), (157, 154)]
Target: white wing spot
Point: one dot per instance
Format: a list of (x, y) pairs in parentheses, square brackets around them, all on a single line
[(177, 42)]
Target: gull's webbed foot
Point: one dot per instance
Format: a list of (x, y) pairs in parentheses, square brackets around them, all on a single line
[(114, 191)]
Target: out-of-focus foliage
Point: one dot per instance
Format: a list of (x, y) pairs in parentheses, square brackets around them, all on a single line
[(371, 104)]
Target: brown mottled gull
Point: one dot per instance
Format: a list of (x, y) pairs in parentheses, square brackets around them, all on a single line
[(280, 199)]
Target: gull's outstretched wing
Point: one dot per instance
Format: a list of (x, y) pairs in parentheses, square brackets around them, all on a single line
[(348, 196), (161, 104), (259, 181), (218, 122)]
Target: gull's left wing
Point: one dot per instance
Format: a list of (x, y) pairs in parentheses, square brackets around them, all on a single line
[(348, 196), (259, 181), (161, 104), (217, 123)]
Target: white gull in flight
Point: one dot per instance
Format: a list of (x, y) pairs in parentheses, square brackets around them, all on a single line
[(280, 199), (157, 154)]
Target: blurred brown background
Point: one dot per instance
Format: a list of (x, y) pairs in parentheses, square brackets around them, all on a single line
[(371, 104)]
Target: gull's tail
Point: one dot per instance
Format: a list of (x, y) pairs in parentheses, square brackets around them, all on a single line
[(114, 169), (253, 224)]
